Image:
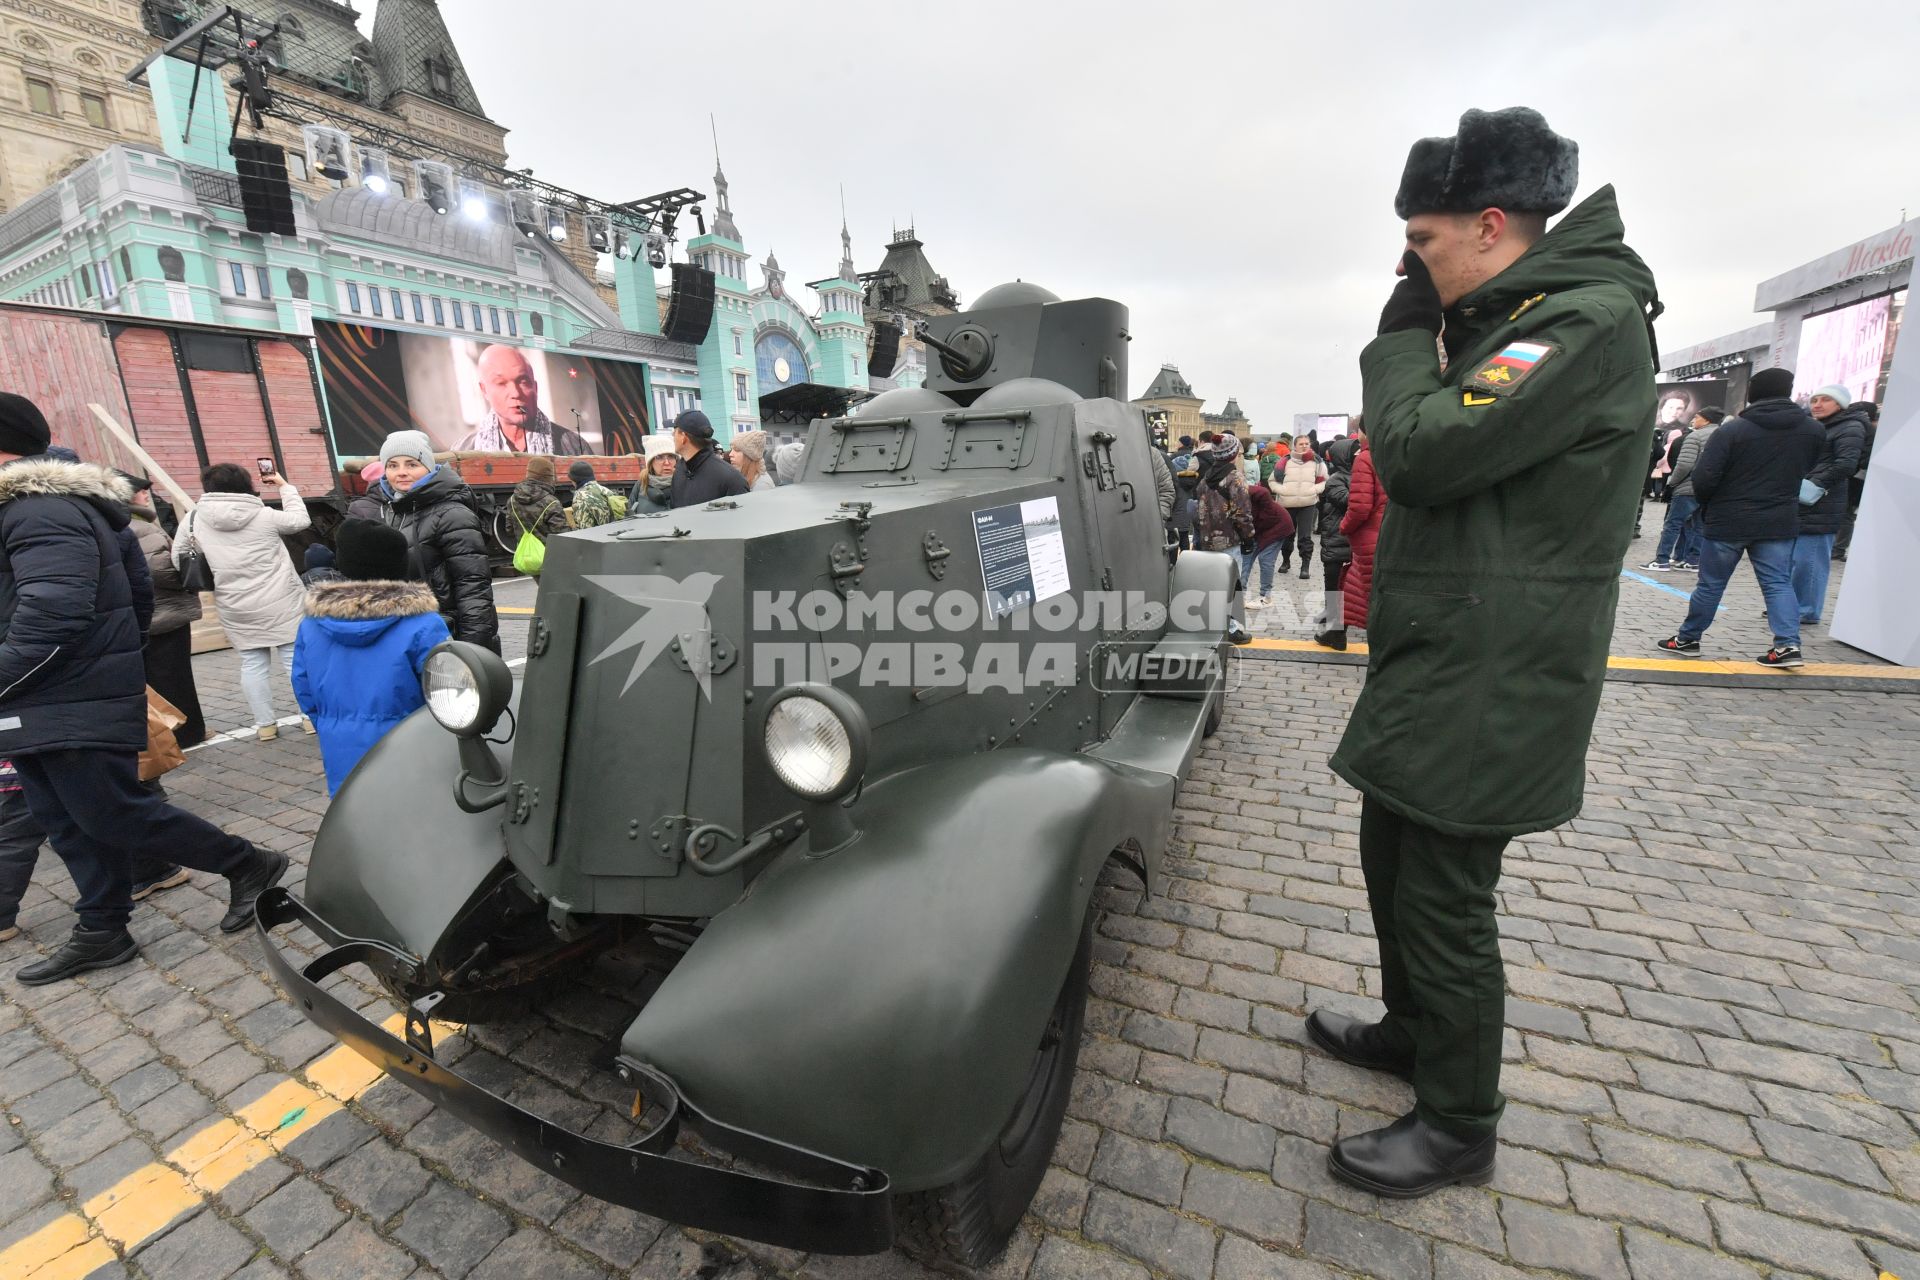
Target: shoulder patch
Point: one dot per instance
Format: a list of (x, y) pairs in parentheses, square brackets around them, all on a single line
[(1502, 373)]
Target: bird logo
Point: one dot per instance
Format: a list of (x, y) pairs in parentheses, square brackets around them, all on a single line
[(673, 609)]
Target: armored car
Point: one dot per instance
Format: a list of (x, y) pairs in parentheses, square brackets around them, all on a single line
[(842, 763)]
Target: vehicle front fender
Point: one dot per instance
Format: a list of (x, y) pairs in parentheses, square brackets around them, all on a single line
[(395, 859), (884, 1003)]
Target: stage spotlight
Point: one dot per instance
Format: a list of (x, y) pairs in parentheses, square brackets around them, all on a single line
[(656, 250), (327, 152), (434, 182), (473, 201), (375, 174), (599, 234), (526, 215), (556, 224), (622, 246)]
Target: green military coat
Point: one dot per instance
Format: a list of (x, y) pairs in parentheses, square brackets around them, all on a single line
[(1513, 476)]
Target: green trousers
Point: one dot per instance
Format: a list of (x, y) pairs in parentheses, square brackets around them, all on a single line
[(1440, 967)]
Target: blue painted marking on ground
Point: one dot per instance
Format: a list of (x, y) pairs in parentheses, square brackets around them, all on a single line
[(1657, 584)]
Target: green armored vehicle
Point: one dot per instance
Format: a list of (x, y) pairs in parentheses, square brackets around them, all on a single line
[(861, 747)]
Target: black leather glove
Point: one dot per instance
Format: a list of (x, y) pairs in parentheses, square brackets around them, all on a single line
[(1248, 547), (1414, 303)]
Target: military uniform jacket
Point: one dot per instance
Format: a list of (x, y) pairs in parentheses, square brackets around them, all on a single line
[(1513, 477)]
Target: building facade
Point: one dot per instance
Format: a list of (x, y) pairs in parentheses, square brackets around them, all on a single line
[(901, 291), (64, 96)]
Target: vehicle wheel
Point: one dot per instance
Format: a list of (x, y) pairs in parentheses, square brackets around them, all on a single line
[(1215, 714), (970, 1220)]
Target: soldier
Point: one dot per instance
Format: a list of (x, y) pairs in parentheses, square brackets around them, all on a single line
[(1513, 473)]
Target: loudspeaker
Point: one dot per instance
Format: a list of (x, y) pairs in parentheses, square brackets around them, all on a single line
[(264, 193), (886, 350), (690, 306)]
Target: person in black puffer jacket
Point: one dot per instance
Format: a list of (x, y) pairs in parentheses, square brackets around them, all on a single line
[(1820, 520), (73, 716), (1336, 552), (432, 505)]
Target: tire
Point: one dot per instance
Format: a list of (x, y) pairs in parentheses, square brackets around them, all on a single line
[(970, 1220)]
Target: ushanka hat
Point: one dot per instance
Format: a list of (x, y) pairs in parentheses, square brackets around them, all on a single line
[(1505, 159)]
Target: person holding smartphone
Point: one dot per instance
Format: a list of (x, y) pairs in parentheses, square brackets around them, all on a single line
[(257, 592)]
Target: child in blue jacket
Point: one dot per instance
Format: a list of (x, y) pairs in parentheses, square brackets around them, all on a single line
[(357, 658)]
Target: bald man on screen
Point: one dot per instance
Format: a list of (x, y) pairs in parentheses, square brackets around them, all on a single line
[(514, 423)]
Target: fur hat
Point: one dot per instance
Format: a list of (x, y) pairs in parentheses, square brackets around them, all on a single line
[(407, 444), (1505, 159), (1770, 384), (23, 428), (369, 549)]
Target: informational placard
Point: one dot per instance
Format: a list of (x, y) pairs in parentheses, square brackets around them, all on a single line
[(1023, 557)]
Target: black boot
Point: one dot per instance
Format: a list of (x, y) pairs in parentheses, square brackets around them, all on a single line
[(86, 950), (243, 888), (1410, 1158), (1303, 570), (1355, 1042), (1332, 638)]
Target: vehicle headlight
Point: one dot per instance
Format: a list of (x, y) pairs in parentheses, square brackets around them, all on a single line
[(816, 740), (466, 687)]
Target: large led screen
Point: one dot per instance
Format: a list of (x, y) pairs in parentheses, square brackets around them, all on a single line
[(1844, 346), (470, 394)]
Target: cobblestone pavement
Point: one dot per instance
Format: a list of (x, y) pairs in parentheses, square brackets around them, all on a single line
[(1713, 1060)]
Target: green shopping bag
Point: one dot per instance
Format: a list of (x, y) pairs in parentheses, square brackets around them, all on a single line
[(530, 554)]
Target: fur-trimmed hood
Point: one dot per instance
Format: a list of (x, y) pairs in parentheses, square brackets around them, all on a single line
[(369, 600), (49, 477)]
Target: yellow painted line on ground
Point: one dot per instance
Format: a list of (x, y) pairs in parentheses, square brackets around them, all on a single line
[(134, 1209), (511, 608), (1618, 662)]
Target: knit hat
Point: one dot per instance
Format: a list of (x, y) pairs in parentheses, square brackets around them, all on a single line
[(23, 428), (581, 472), (319, 556), (1837, 393), (1226, 445), (407, 444), (695, 424), (369, 549), (540, 467), (1505, 159), (1770, 384), (751, 443), (789, 460), (60, 453)]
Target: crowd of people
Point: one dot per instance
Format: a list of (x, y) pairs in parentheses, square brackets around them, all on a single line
[(1222, 503), (1776, 485)]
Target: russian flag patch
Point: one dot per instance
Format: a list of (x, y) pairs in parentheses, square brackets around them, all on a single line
[(1511, 366)]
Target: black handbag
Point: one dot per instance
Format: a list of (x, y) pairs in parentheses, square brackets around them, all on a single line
[(196, 574)]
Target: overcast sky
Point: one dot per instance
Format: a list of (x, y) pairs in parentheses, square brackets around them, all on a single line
[(1225, 170)]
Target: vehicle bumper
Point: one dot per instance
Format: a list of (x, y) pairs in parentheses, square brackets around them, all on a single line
[(795, 1199)]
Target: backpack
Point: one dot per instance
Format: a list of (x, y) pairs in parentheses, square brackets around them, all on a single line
[(618, 503), (530, 554)]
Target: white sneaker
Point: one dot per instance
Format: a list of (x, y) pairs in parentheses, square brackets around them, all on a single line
[(1260, 603)]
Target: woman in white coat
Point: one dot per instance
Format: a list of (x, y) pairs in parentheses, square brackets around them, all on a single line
[(255, 586)]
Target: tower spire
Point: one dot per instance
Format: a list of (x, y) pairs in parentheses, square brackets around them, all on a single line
[(847, 271), (723, 224)]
